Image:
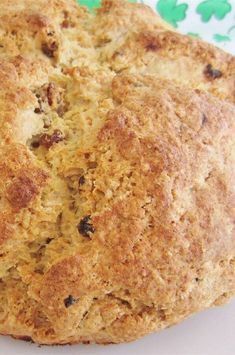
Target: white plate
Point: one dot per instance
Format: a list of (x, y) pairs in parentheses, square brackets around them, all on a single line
[(209, 333)]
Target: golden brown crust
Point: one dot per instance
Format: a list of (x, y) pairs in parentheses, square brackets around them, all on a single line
[(21, 179), (115, 18), (175, 57), (117, 200), (173, 209), (36, 29)]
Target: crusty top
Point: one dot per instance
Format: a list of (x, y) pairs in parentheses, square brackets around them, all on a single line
[(21, 177), (173, 56), (53, 29), (116, 178)]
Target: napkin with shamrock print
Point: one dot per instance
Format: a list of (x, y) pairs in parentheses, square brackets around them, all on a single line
[(211, 20)]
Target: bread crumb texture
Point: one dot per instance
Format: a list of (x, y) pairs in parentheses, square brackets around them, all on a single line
[(117, 196)]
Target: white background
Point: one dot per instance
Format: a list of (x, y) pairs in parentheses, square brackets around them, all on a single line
[(206, 30)]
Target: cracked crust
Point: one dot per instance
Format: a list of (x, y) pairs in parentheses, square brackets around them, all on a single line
[(116, 18), (21, 179), (117, 200), (37, 29), (174, 209), (173, 56)]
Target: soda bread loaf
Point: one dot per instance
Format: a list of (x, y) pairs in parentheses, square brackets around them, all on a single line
[(117, 198)]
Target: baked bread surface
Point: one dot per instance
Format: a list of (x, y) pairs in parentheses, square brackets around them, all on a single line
[(116, 176)]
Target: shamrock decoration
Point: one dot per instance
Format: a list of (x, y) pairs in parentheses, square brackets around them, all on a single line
[(91, 4), (221, 38), (193, 34), (218, 8), (172, 12)]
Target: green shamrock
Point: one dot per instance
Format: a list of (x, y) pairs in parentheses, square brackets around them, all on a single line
[(218, 8), (221, 38), (193, 34), (91, 4), (171, 11)]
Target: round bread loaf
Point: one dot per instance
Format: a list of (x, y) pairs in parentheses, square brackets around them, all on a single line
[(117, 196)]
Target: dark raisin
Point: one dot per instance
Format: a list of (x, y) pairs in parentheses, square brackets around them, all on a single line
[(66, 14), (81, 180), (126, 303), (61, 110), (49, 49), (196, 279), (149, 42), (48, 140), (152, 46), (51, 33), (212, 73), (35, 144), (38, 110), (69, 301), (65, 24), (204, 119), (50, 93), (85, 227)]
